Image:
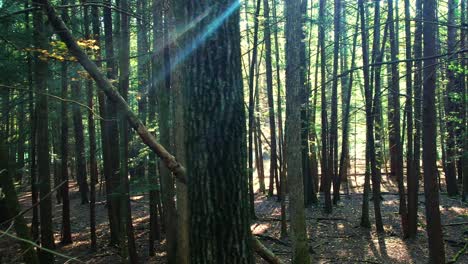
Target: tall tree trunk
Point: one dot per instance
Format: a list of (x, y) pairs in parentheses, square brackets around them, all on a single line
[(396, 157), (431, 191), (167, 181), (294, 70), (452, 106), (333, 154), (111, 131), (93, 169), (251, 111), (309, 193), (217, 137), (178, 16), (412, 180), (269, 84), (369, 119), (43, 156), (156, 68), (127, 237), (326, 176), (66, 237), (347, 108)]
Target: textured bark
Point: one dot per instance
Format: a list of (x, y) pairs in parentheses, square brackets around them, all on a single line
[(43, 156), (294, 70), (219, 208), (431, 191)]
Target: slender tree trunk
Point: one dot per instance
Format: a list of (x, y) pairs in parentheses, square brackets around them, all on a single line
[(167, 181), (294, 70), (269, 84), (412, 176), (178, 15), (396, 157), (326, 176), (431, 191), (333, 154), (43, 156), (66, 237), (369, 120), (464, 158), (127, 237), (111, 132), (452, 106)]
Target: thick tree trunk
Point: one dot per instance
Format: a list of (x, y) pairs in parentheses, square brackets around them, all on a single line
[(217, 137)]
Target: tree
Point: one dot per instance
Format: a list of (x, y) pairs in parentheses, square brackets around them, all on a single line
[(215, 139), (269, 82), (43, 156), (294, 70), (396, 147), (452, 106), (66, 226), (431, 191)]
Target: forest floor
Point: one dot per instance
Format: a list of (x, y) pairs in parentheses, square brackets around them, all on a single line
[(334, 238)]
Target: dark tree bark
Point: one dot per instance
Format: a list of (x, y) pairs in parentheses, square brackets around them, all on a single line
[(43, 156), (111, 131), (93, 169), (80, 156), (294, 71), (431, 191), (66, 226), (215, 141), (412, 176), (309, 192)]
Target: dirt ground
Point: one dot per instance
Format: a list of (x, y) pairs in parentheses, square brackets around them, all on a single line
[(333, 238)]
